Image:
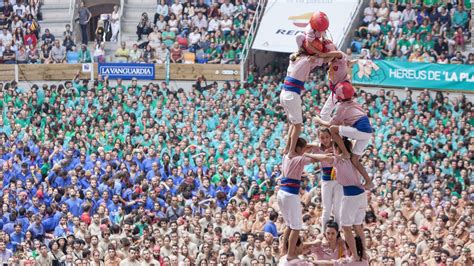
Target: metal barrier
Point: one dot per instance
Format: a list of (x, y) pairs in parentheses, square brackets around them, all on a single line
[(244, 61)]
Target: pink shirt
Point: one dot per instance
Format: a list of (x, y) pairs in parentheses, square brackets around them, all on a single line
[(293, 168), (326, 253), (318, 150), (302, 66), (339, 70), (347, 174), (347, 113)]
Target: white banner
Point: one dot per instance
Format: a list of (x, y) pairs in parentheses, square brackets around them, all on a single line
[(283, 19)]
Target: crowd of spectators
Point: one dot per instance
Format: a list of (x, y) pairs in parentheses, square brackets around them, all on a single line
[(210, 32), (435, 31), (20, 31), (128, 174)]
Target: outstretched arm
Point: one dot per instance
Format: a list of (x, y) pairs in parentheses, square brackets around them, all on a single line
[(320, 157), (318, 120)]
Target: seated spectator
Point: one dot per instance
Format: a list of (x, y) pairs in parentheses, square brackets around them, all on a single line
[(370, 13), (68, 43), (161, 23), (6, 36), (144, 26), (442, 59), (85, 54), (29, 38), (47, 37), (33, 55), (135, 54), (161, 54), (226, 25), (201, 57), (173, 23), (72, 55), (148, 55), (395, 18), (176, 9), (374, 28), (470, 59), (45, 54), (194, 38), (188, 9), (458, 58), (18, 36), (168, 37), (408, 14), (9, 55), (68, 32), (154, 38), (122, 53), (58, 53), (214, 11), (460, 17), (162, 10), (459, 40), (228, 56), (227, 9), (213, 26), (176, 54), (22, 55), (200, 21), (99, 53), (382, 12)]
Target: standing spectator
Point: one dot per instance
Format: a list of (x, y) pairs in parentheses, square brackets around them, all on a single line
[(161, 10), (270, 226), (122, 53), (115, 23), (83, 18), (44, 258), (5, 254), (58, 53)]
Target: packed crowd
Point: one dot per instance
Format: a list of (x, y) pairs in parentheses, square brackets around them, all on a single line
[(213, 33), (20, 31), (136, 175), (416, 31)]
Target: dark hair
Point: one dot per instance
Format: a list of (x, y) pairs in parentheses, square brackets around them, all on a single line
[(300, 143), (347, 144), (273, 216)]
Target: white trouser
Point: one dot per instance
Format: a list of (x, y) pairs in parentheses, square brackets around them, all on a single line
[(331, 194), (115, 30), (328, 107)]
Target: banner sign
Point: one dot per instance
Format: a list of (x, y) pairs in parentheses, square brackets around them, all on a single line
[(413, 75), (283, 19), (127, 71)]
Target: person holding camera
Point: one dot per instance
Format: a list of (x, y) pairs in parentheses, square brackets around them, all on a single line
[(144, 26)]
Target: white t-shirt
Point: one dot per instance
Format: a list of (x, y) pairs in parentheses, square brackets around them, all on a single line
[(177, 9), (194, 37), (228, 9)]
